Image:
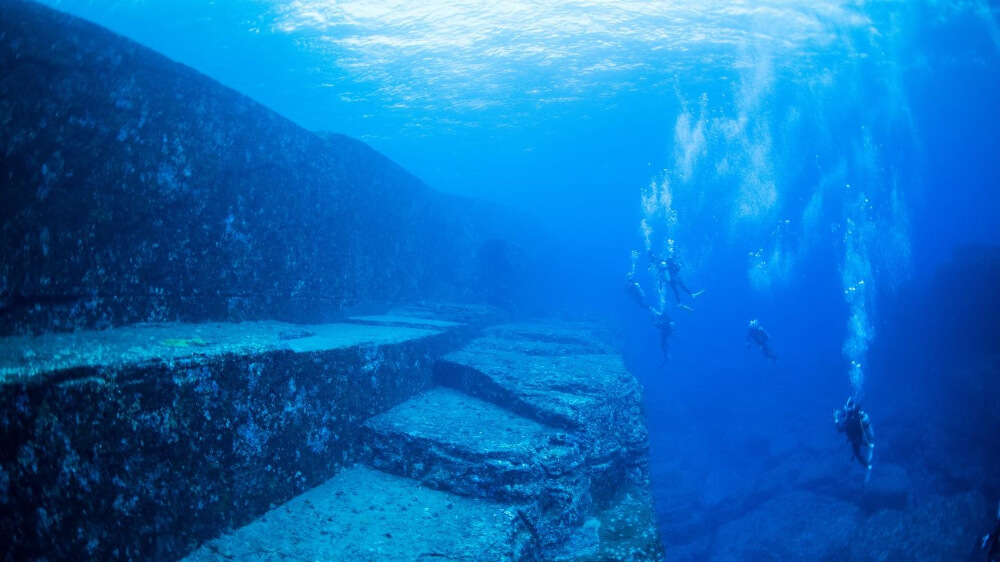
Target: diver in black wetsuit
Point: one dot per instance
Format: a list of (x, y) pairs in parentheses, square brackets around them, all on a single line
[(852, 421), (674, 279), (669, 272), (666, 328), (991, 541), (634, 290), (757, 335)]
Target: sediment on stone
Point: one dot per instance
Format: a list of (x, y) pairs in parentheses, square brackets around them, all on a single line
[(368, 515), (205, 425), (137, 189), (451, 441), (576, 385)]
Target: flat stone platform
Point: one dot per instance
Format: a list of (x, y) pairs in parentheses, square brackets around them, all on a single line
[(553, 338), (555, 374), (393, 320), (564, 375), (35, 359), (143, 441), (455, 442), (447, 416), (367, 515)]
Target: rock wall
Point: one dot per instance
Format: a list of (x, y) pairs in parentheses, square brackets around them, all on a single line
[(139, 443), (136, 189)]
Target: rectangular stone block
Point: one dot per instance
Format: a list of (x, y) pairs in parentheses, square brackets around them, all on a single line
[(452, 441), (141, 442), (566, 376)]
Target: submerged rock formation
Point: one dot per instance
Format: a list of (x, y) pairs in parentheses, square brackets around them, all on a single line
[(140, 442), (175, 263), (143, 442), (511, 485), (136, 189)]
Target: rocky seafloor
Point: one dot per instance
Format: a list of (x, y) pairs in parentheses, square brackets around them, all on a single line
[(768, 477)]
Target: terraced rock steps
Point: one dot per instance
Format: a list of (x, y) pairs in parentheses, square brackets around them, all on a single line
[(538, 454), (144, 441), (567, 377)]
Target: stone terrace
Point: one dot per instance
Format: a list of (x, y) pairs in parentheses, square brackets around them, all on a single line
[(144, 441), (325, 441), (517, 488)]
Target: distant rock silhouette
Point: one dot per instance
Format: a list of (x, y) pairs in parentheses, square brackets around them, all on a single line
[(136, 189)]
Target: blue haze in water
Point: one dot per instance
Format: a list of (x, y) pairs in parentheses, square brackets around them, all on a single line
[(812, 164)]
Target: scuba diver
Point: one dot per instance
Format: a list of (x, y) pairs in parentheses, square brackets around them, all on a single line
[(757, 335), (634, 290), (991, 541), (853, 421), (669, 270), (666, 328)]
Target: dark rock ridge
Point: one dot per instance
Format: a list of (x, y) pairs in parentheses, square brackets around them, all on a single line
[(136, 189)]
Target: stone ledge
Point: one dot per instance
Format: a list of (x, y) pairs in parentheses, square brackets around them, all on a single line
[(367, 515), (206, 426), (588, 394), (392, 320), (35, 359), (578, 338), (454, 442)]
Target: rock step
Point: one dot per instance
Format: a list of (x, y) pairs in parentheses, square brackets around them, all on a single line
[(451, 441), (407, 321), (544, 381), (560, 338), (61, 356), (367, 515), (559, 376), (205, 425)]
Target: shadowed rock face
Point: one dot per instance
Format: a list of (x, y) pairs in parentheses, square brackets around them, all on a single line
[(136, 189), (138, 443)]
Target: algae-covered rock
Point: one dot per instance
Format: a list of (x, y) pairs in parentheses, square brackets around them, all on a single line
[(136, 189), (452, 441), (184, 342), (368, 516), (888, 488), (567, 376), (940, 528), (116, 446), (576, 385)]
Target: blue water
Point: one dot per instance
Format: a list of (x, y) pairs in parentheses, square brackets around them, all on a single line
[(811, 164)]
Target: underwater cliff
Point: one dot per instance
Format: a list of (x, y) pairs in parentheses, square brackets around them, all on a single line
[(136, 189), (184, 370)]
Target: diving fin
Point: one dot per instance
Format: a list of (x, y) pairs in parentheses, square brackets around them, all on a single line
[(685, 307), (695, 295)]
